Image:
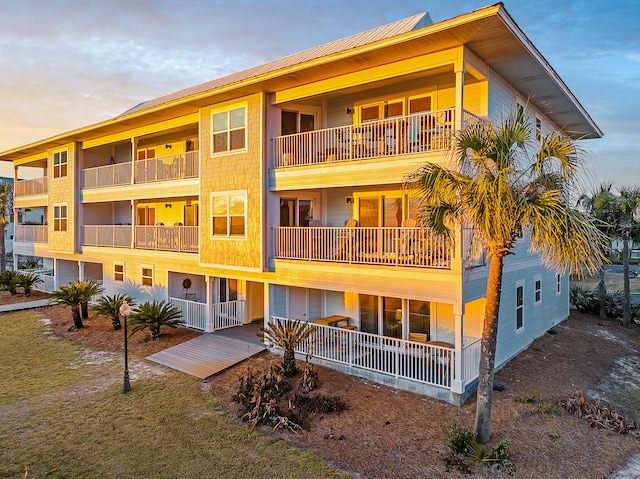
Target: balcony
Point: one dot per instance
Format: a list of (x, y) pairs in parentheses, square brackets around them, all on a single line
[(31, 233), (113, 236), (183, 239), (412, 247), (164, 168), (35, 186), (173, 167), (376, 139)]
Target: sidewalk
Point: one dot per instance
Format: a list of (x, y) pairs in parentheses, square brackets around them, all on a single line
[(40, 303)]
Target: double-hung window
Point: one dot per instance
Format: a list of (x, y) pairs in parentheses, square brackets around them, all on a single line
[(229, 130), (537, 291), (519, 306), (118, 272), (60, 164), (60, 218), (147, 275), (228, 214)]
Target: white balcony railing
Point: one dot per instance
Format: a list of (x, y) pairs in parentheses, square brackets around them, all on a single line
[(194, 313), (114, 236), (31, 233), (226, 315), (173, 167), (424, 363), (396, 136), (167, 238), (381, 246), (105, 176), (34, 186)]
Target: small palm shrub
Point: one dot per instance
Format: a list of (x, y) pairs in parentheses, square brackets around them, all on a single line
[(586, 301), (154, 315), (7, 281), (27, 281), (110, 306), (70, 296), (464, 447), (88, 288), (287, 336)]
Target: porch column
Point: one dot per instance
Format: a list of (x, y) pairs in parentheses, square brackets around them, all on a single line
[(133, 217), (457, 385), (459, 120), (134, 147), (208, 327), (81, 270)]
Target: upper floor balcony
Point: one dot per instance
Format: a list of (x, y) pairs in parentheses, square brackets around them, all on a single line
[(31, 233), (31, 187), (399, 136), (177, 238), (171, 167)]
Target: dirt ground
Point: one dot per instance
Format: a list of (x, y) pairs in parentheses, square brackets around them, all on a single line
[(389, 433)]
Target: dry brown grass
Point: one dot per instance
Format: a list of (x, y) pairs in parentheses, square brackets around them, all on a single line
[(390, 433)]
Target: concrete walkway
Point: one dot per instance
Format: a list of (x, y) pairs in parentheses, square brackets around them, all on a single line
[(8, 308)]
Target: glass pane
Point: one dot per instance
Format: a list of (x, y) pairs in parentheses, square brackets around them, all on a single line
[(222, 294), (220, 121), (237, 139), (419, 314), (392, 324), (147, 281), (220, 142), (63, 169), (417, 105), (237, 118), (219, 205), (369, 212), (233, 289), (220, 226), (394, 109), (519, 296), (369, 313), (392, 212), (287, 212), (236, 206), (306, 123), (370, 113), (305, 212), (63, 224), (237, 225), (289, 123)]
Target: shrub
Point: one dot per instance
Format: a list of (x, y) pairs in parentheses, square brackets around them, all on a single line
[(459, 436), (153, 315)]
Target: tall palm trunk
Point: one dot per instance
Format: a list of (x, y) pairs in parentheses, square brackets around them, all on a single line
[(602, 293), (626, 309), (77, 319), (3, 253), (488, 348)]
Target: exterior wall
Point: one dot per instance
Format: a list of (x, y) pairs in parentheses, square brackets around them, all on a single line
[(63, 191), (233, 172)]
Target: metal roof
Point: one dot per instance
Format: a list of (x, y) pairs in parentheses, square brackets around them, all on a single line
[(337, 46)]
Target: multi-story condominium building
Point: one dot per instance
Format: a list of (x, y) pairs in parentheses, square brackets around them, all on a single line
[(277, 192)]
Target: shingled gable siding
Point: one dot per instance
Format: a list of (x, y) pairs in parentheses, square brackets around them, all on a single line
[(62, 191), (232, 172)]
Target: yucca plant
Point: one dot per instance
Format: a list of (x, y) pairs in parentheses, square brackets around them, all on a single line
[(7, 281), (153, 315), (110, 306), (287, 336), (27, 281), (70, 296)]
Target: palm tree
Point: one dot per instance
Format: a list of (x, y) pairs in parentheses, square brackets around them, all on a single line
[(27, 281), (88, 288), (153, 315), (502, 183), (110, 306), (7, 280), (287, 337), (622, 210), (599, 209), (6, 205), (70, 296)]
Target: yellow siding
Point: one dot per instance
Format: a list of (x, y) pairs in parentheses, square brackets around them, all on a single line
[(62, 191), (232, 172)]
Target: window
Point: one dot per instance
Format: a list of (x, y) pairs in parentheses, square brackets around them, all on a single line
[(295, 212), (118, 272), (147, 276), (228, 290), (538, 129), (229, 214), (558, 284), (60, 218), (537, 290), (229, 130), (519, 306), (60, 164)]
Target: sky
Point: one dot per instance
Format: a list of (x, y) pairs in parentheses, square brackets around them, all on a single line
[(66, 64)]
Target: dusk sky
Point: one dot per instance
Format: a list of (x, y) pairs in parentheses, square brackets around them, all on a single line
[(66, 64)]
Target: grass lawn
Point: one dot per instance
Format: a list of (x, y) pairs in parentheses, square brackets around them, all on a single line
[(62, 414)]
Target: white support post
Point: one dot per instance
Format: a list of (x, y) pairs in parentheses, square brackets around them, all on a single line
[(457, 385)]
